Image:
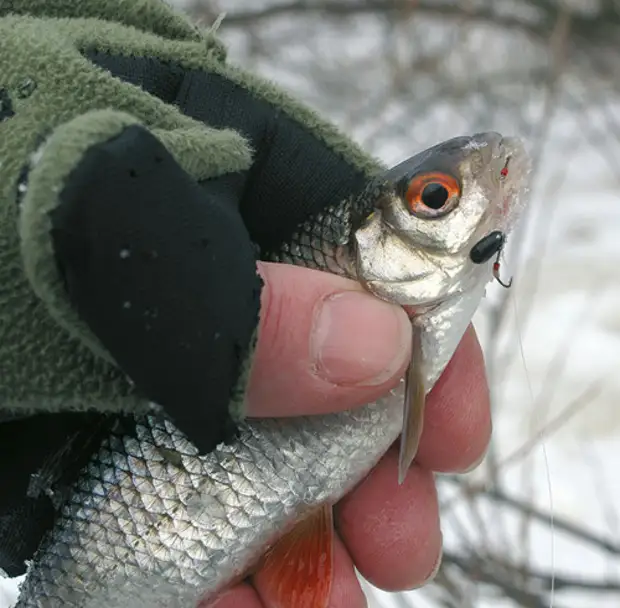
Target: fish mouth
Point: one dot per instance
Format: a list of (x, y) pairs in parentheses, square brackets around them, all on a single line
[(513, 149), (514, 152), (512, 190)]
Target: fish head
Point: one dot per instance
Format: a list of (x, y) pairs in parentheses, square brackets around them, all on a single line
[(415, 248), (437, 228)]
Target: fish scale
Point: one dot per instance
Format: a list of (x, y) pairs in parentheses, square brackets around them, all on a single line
[(317, 242), (201, 515), (151, 523)]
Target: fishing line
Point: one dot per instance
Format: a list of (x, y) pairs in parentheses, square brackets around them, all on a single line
[(544, 450)]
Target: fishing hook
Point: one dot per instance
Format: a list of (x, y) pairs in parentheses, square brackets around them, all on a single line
[(496, 272)]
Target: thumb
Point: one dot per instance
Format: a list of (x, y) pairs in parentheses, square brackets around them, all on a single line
[(325, 344)]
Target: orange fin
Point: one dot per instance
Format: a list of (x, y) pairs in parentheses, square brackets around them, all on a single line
[(297, 571)]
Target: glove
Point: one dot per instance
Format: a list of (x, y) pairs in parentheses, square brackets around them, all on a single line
[(141, 177)]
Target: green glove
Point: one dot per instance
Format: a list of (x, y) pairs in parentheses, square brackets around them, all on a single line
[(140, 178)]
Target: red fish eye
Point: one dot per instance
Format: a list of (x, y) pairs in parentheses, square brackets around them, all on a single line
[(432, 194)]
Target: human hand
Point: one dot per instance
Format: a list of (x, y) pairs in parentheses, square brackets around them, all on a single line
[(390, 533)]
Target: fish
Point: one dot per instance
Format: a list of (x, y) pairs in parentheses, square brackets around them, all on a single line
[(150, 522)]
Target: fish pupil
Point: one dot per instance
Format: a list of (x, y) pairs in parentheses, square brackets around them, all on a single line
[(434, 195)]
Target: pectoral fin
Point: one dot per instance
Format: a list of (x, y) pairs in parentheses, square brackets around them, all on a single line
[(413, 416), (297, 571)]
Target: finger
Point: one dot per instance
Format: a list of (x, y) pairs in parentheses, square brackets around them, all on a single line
[(346, 590), (392, 532), (324, 342), (241, 596), (457, 421)]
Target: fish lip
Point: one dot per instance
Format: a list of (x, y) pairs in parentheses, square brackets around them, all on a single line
[(513, 147), (515, 186)]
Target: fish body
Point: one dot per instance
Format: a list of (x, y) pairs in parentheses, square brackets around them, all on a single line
[(141, 531), (151, 522)]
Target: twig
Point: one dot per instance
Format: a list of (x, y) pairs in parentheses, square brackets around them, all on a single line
[(488, 572), (560, 524), (480, 570)]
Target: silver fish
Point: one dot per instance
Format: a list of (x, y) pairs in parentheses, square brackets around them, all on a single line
[(150, 523)]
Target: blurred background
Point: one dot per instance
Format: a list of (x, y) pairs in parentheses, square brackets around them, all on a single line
[(538, 524)]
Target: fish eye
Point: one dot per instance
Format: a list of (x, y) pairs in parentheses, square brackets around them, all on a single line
[(432, 195)]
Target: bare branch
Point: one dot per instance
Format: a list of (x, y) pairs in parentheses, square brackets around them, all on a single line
[(488, 572), (560, 524), (482, 571)]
